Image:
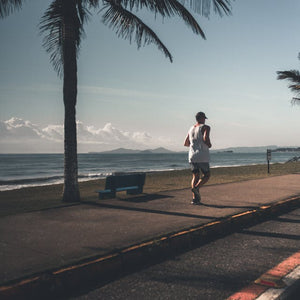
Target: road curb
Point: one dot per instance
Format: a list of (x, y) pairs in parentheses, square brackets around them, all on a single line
[(279, 282), (100, 270)]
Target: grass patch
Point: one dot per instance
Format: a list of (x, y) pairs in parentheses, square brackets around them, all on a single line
[(43, 197)]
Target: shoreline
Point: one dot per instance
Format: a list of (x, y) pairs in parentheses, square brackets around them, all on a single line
[(12, 185), (49, 196), (44, 170)]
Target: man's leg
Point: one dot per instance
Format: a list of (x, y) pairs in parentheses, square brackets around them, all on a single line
[(201, 181), (195, 179), (204, 167), (195, 190)]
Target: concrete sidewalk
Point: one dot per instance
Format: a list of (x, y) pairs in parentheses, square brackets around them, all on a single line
[(49, 245)]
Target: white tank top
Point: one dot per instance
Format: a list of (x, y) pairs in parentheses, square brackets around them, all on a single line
[(199, 151)]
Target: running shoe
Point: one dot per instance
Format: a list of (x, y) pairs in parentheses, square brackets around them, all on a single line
[(195, 202), (197, 193)]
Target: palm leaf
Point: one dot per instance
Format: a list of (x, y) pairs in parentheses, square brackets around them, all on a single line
[(202, 7), (296, 101), (222, 6), (128, 26), (166, 8), (294, 77), (92, 3), (9, 6), (52, 25)]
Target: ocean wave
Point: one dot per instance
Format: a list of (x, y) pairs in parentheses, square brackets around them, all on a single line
[(4, 188), (23, 181), (14, 184)]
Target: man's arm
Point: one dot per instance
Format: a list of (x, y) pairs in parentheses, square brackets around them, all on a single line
[(206, 138), (187, 141)]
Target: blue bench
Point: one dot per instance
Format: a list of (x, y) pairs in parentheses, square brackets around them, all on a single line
[(132, 183)]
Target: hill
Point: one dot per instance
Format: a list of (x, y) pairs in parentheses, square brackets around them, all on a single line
[(160, 150)]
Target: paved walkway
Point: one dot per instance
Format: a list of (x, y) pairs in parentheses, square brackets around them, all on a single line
[(51, 239)]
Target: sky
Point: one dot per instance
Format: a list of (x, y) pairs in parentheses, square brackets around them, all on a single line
[(137, 99)]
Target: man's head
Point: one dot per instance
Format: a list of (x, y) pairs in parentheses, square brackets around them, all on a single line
[(200, 117)]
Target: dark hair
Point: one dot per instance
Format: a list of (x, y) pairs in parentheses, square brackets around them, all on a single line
[(200, 115)]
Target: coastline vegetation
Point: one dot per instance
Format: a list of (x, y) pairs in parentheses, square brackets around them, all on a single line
[(44, 197)]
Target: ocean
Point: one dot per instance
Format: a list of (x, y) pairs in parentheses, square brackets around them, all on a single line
[(26, 170)]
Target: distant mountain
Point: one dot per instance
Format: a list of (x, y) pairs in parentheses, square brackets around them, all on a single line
[(160, 150), (120, 151)]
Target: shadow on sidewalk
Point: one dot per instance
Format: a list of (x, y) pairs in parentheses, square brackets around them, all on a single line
[(146, 210), (228, 206), (144, 198)]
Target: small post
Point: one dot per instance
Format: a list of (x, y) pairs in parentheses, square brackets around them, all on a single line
[(269, 155)]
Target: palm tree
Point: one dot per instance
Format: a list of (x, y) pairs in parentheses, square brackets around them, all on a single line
[(294, 77), (63, 26)]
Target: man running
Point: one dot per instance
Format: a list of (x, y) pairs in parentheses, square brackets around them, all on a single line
[(199, 142)]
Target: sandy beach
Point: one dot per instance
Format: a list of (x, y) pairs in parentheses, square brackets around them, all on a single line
[(43, 197)]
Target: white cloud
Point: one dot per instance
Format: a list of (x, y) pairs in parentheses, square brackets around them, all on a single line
[(19, 136), (15, 129), (53, 132)]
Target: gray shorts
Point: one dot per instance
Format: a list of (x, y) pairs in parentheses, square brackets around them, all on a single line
[(202, 166)]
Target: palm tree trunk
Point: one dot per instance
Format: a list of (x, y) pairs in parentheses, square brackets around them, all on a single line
[(71, 189)]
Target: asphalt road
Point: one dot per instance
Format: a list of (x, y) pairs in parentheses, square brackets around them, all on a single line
[(215, 270)]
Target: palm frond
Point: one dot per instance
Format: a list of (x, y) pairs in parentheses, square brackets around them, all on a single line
[(294, 77), (204, 7), (222, 6), (166, 8), (127, 26), (295, 88), (92, 3), (296, 101), (52, 26), (174, 7), (9, 6)]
